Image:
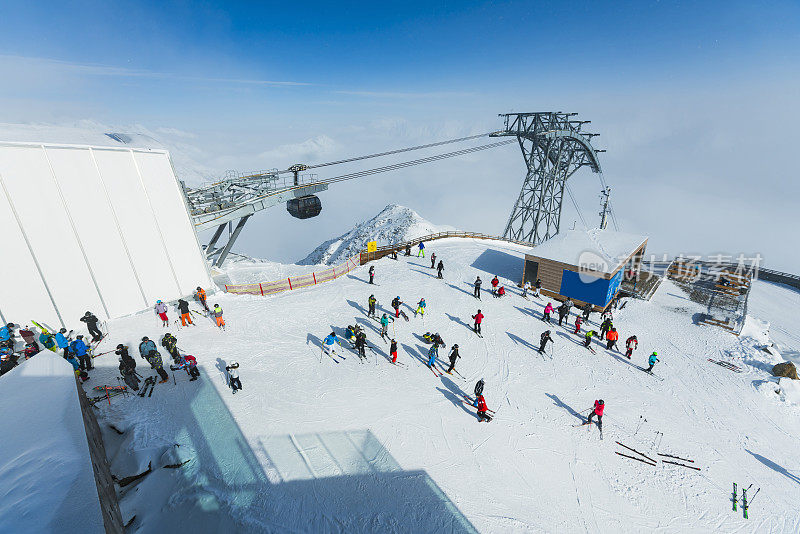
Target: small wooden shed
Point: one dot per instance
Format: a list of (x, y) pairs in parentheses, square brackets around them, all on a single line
[(584, 265)]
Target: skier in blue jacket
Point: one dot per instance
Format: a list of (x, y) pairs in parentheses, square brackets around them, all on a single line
[(81, 351), (5, 333), (421, 249), (61, 341), (652, 361), (146, 346)]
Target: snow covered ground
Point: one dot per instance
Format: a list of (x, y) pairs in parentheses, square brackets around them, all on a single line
[(779, 305), (311, 445)]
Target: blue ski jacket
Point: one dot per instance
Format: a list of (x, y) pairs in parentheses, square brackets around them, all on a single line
[(5, 334), (78, 347), (61, 341), (329, 340), (146, 346), (421, 245), (653, 359), (74, 363), (46, 340)]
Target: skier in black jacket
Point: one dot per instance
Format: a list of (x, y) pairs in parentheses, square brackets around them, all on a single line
[(127, 368), (170, 343), (186, 317), (371, 274), (453, 357), (478, 391), (477, 288), (361, 344), (440, 268), (91, 322), (545, 337)]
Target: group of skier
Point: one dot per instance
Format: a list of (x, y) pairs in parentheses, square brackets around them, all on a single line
[(185, 312)]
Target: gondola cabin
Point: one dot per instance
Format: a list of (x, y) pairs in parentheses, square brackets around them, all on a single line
[(304, 207)]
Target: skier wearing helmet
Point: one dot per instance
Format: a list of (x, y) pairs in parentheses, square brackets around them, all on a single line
[(161, 311), (453, 357), (599, 406), (200, 295)]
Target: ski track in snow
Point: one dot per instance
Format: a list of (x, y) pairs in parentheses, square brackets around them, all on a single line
[(310, 445)]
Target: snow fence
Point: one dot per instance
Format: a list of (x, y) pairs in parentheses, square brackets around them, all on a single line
[(296, 282)]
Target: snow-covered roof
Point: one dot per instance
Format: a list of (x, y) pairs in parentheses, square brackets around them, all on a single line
[(46, 476), (595, 249)]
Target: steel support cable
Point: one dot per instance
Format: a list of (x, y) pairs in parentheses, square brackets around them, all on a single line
[(575, 203), (368, 172), (398, 151)]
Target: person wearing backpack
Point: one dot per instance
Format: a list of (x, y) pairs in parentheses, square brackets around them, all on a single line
[(81, 351)]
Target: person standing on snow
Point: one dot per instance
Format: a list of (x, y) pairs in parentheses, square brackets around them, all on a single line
[(482, 409), (587, 310), (433, 260), (384, 326), (562, 312), (81, 351), (612, 338), (605, 327), (421, 249), (420, 308), (161, 311), (396, 302), (233, 376), (577, 324), (170, 343), (47, 341), (371, 274), (146, 346), (569, 304), (543, 339), (599, 406), (328, 343), (432, 353), (63, 344), (217, 313), (91, 323), (200, 295), (155, 361), (122, 352), (453, 357), (372, 302), (478, 318), (588, 338), (186, 317), (476, 292), (631, 344), (439, 269), (547, 311), (478, 391), (652, 361), (127, 368), (408, 249), (537, 287), (495, 283), (393, 350)]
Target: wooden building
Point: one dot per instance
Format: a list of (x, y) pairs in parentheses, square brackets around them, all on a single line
[(584, 265)]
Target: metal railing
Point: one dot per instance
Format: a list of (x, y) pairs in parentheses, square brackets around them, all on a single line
[(386, 250)]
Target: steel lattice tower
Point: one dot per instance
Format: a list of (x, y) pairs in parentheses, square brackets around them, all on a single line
[(554, 147)]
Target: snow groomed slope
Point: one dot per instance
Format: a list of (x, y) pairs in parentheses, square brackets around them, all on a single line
[(312, 445)]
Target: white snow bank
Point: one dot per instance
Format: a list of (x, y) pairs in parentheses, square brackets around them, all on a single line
[(604, 249), (392, 225), (46, 478)]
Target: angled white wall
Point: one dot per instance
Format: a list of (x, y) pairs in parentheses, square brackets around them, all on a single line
[(92, 228)]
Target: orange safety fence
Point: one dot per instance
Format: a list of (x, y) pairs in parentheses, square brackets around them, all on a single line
[(295, 282)]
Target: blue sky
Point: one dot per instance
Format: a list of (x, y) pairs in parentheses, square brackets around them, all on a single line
[(687, 97)]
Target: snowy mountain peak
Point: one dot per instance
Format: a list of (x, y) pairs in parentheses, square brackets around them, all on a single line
[(392, 225)]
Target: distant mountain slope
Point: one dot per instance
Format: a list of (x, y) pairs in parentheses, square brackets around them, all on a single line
[(392, 225)]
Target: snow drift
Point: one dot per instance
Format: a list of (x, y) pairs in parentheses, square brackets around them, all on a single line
[(392, 225)]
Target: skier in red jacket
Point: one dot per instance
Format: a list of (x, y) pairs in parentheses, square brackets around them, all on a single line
[(495, 283), (478, 317), (631, 344), (482, 408), (599, 406)]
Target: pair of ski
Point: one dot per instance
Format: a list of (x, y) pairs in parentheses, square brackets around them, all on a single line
[(599, 426), (149, 382), (110, 388), (745, 503), (727, 365), (591, 349), (649, 461)]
